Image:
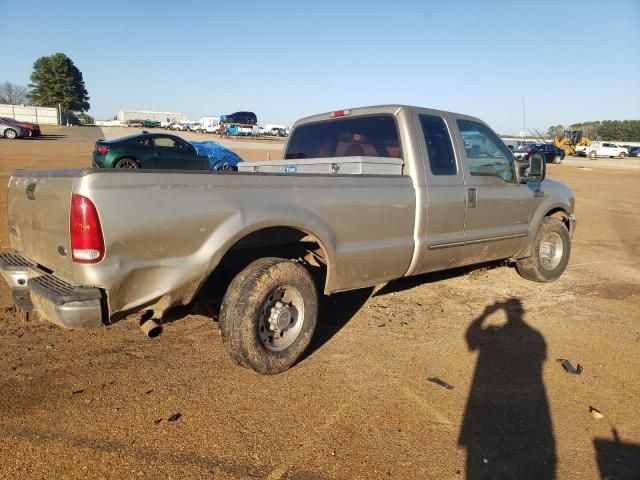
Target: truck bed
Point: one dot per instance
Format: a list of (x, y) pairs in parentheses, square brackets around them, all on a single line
[(164, 230)]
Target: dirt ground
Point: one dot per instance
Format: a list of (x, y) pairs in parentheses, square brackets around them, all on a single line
[(444, 376)]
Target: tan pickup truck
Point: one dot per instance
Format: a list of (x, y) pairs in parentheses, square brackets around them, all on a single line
[(406, 190)]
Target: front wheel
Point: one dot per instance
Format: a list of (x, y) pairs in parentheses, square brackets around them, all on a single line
[(551, 251), (557, 159), (622, 155), (592, 155), (268, 315)]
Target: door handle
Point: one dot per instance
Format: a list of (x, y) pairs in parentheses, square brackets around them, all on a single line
[(472, 198)]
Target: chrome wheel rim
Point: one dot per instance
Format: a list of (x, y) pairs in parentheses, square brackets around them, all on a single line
[(551, 250), (127, 164), (281, 318), (11, 134)]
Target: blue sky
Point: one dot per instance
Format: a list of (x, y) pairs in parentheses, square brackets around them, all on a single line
[(573, 60)]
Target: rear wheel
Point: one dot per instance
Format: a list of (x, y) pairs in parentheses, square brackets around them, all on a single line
[(557, 159), (592, 155), (268, 315), (622, 155), (128, 163), (10, 133), (551, 251)]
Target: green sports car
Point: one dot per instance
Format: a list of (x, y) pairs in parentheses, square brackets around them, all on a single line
[(148, 150)]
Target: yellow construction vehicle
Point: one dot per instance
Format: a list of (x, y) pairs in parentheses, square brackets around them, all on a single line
[(570, 140)]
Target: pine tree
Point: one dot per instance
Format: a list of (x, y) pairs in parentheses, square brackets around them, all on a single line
[(56, 80)]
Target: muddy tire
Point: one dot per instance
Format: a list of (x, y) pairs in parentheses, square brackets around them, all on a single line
[(551, 252), (268, 315)]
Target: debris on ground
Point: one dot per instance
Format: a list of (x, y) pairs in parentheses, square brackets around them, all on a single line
[(174, 417), (568, 367), (76, 392), (595, 413), (442, 383)]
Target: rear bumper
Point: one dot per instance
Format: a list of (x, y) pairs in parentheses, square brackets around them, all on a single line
[(59, 302)]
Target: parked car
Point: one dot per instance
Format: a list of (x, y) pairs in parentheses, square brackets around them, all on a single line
[(634, 152), (135, 123), (274, 130), (148, 150), (549, 151), (34, 128), (12, 131), (243, 118), (93, 246), (520, 151), (606, 149), (150, 124)]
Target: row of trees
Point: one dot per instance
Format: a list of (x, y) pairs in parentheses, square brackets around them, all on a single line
[(55, 81), (13, 94), (614, 130)]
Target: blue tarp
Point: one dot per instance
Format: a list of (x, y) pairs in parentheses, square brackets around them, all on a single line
[(219, 157)]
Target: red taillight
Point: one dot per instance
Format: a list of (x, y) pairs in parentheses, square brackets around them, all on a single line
[(340, 113), (530, 150), (103, 149), (87, 244)]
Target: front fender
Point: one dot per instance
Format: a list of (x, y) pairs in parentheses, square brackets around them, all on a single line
[(558, 200)]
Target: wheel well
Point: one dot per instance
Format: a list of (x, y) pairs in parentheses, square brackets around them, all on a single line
[(560, 214), (283, 242)]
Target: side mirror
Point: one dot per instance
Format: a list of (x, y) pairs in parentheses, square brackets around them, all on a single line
[(537, 168)]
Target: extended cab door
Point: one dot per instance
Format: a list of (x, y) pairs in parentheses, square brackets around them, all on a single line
[(498, 207), (445, 193)]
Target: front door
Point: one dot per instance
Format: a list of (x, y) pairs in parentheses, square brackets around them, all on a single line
[(498, 207), (171, 153)]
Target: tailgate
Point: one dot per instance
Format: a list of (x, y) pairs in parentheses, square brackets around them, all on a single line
[(38, 212)]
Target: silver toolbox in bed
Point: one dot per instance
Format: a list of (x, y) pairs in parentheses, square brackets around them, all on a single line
[(327, 166)]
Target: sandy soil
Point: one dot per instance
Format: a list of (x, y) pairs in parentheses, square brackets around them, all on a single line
[(110, 403)]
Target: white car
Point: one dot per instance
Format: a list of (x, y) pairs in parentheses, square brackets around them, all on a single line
[(606, 149)]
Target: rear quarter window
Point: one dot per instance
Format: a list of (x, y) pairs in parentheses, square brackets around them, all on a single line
[(371, 136)]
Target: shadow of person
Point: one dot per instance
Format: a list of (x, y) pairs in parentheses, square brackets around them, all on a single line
[(507, 428)]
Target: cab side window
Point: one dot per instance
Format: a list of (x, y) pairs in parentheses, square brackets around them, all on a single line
[(439, 148), (486, 154), (165, 142)]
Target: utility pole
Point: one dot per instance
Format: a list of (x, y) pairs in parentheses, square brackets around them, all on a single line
[(524, 117)]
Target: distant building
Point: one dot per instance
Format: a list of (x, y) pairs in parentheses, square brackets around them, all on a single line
[(124, 115)]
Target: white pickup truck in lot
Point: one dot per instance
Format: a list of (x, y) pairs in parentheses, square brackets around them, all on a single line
[(605, 149), (407, 190)]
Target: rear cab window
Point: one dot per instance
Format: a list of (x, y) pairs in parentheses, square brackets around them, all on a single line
[(370, 136)]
